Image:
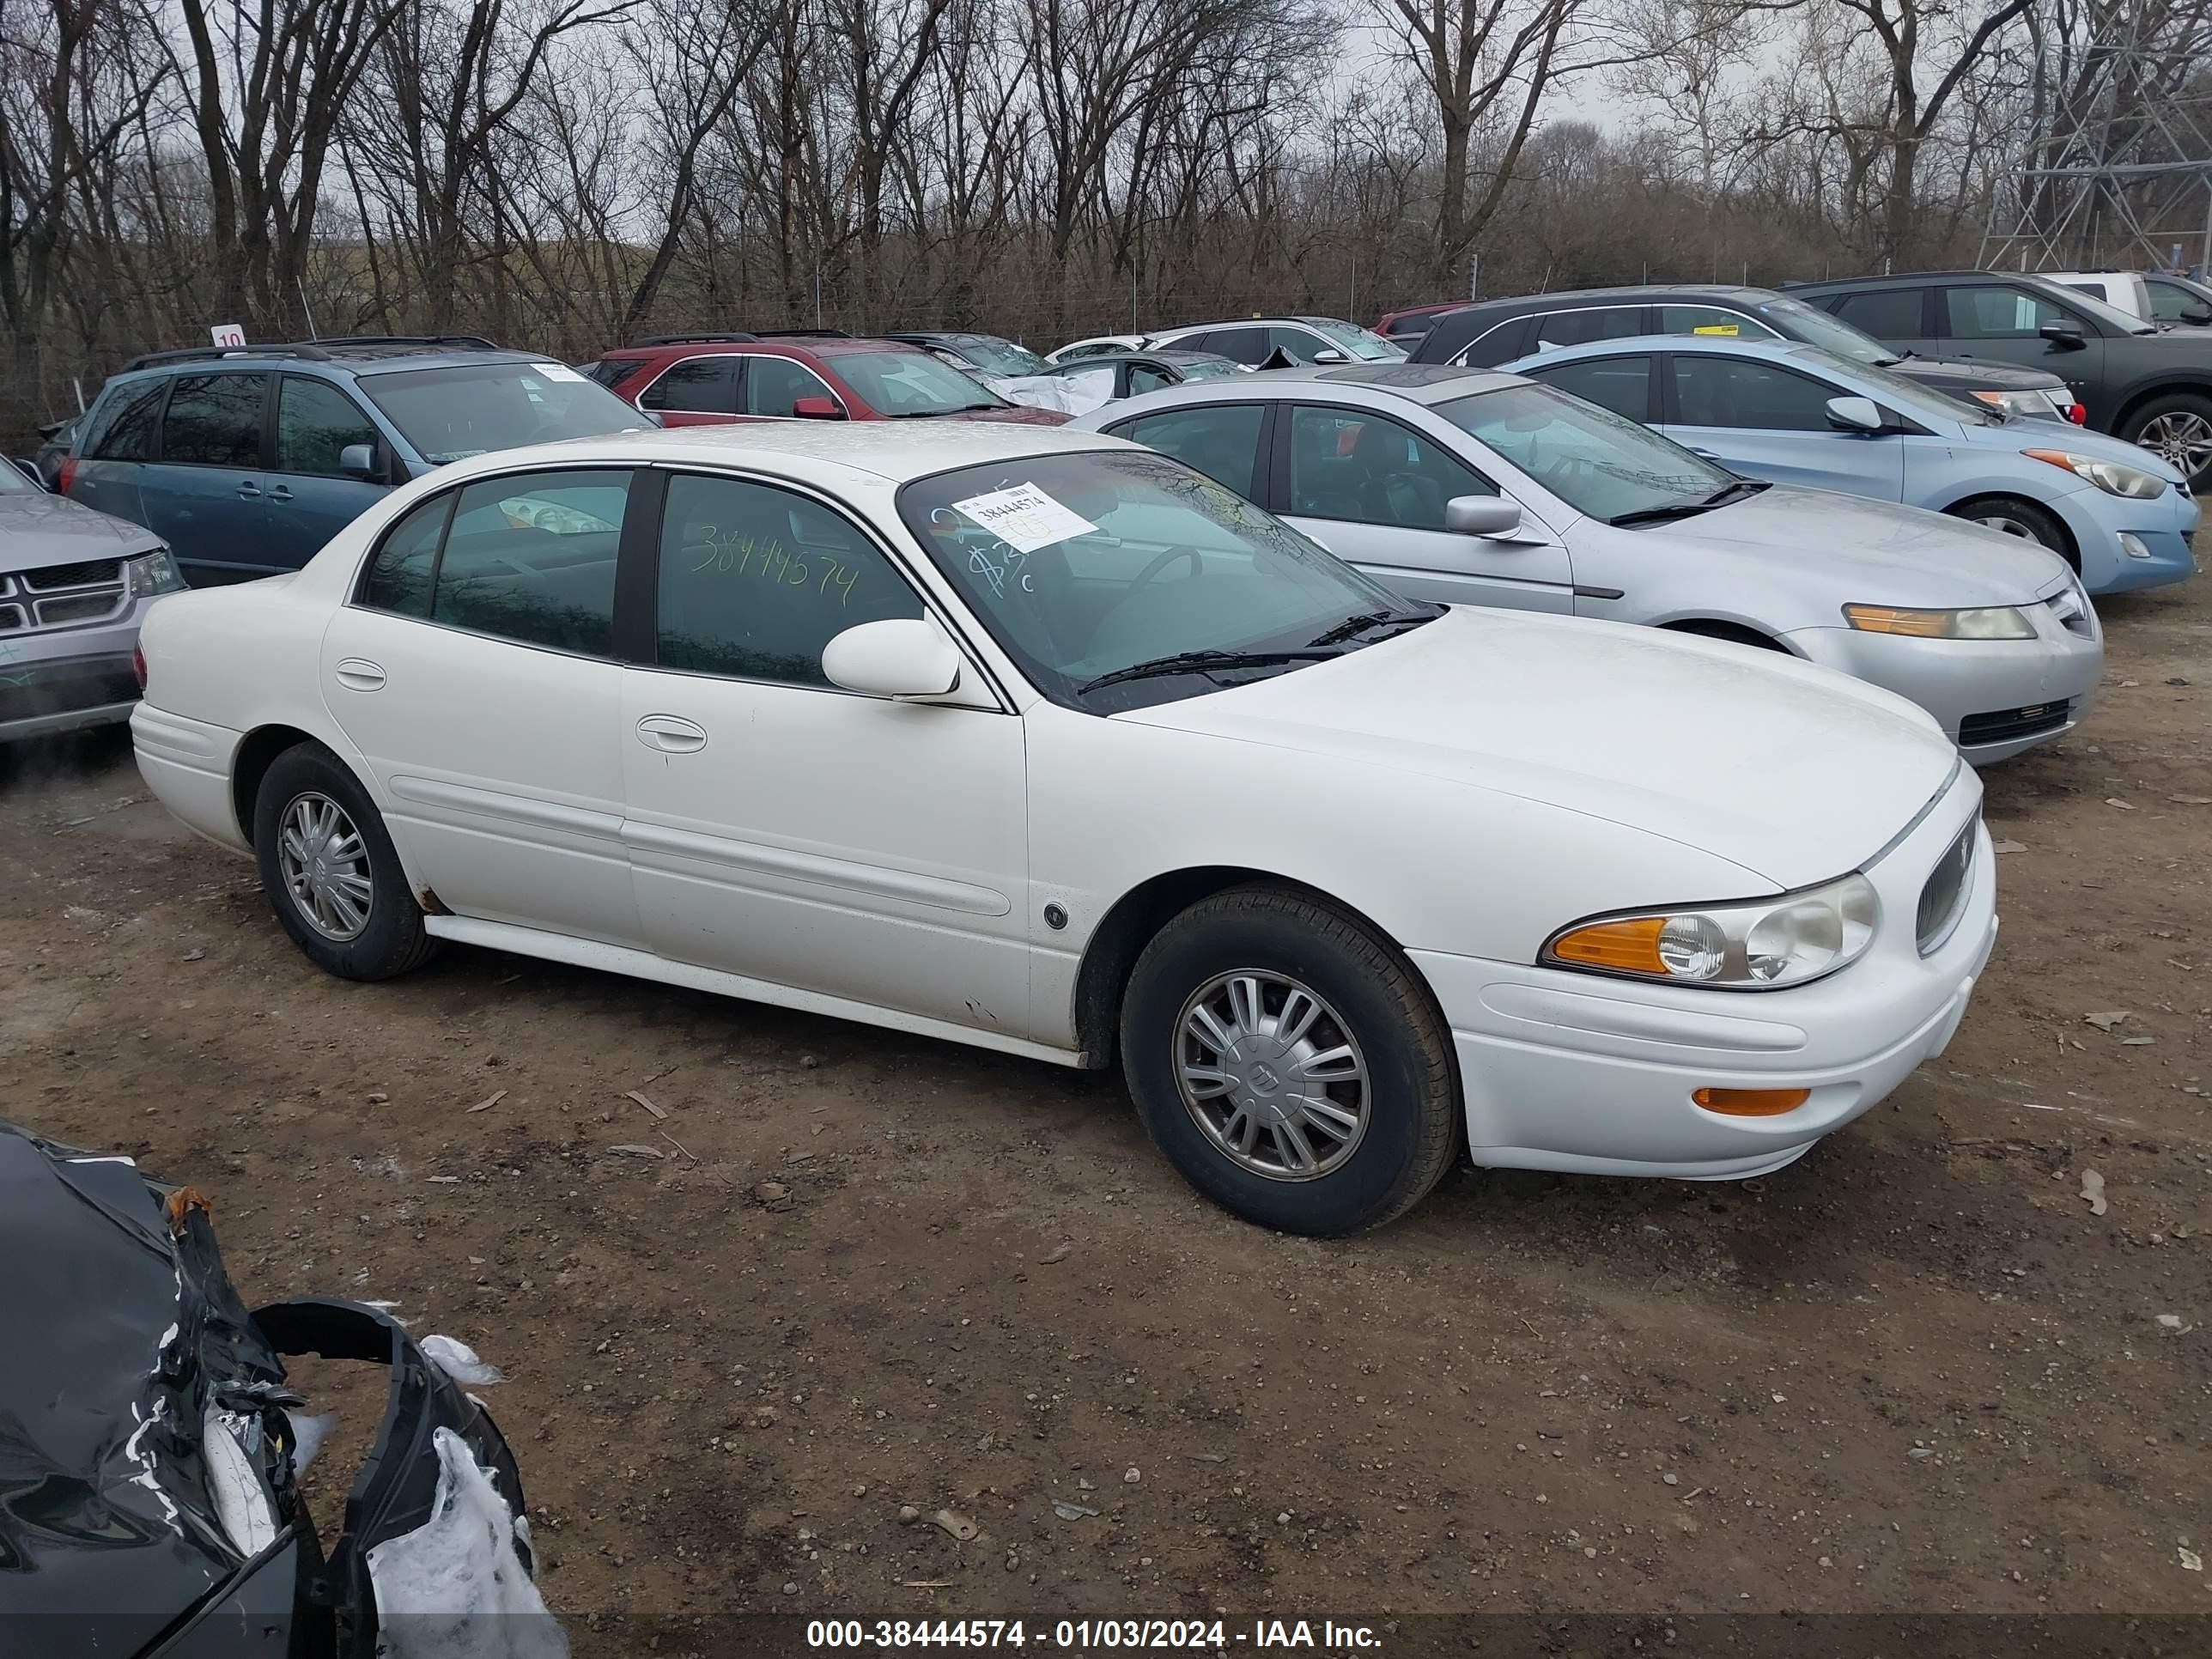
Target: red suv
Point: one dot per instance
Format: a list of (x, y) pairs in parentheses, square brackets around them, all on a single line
[(781, 374)]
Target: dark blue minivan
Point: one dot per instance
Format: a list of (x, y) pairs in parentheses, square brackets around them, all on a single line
[(247, 460)]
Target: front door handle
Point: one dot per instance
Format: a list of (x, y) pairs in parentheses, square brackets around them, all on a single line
[(359, 674), (280, 494), (249, 491), (672, 734)]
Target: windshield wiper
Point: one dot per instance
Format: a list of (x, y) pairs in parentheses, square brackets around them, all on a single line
[(1352, 627), (1657, 514), (1199, 662), (1735, 489)]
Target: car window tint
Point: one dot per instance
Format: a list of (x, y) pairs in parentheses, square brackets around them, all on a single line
[(697, 386), (531, 557), (1998, 312), (1219, 440), (214, 420), (609, 372), (1566, 328), (1245, 345), (127, 428), (1622, 384), (1302, 345), (755, 581), (1497, 344), (774, 385), (1348, 463), (1143, 378), (1896, 315), (1712, 320), (398, 576), (1732, 392), (315, 422)]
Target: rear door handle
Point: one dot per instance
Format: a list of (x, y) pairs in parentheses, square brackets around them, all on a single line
[(672, 734), (280, 494), (359, 674), (249, 491)]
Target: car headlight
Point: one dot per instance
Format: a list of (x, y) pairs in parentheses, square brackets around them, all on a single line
[(1759, 945), (2026, 406), (152, 573), (1990, 622), (2113, 477)]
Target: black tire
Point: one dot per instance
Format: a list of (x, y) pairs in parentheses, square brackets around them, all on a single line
[(1370, 998), (391, 939), (2182, 411), (2013, 515)]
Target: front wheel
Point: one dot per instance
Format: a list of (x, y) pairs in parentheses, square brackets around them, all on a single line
[(2031, 521), (2177, 429), (1290, 1062), (330, 870)]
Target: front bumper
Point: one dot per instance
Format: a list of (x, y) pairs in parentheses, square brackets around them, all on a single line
[(2162, 528), (2045, 684), (1571, 1071), (41, 695)]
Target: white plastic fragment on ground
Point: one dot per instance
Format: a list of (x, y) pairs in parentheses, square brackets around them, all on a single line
[(454, 1588), (458, 1361)]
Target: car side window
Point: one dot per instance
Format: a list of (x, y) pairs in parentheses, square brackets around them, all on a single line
[(1566, 328), (774, 385), (1712, 320), (1300, 345), (697, 386), (531, 557), (1725, 391), (1350, 464), (1622, 384), (315, 422), (755, 581), (1887, 314), (400, 573), (1219, 440), (126, 431), (1243, 345), (1999, 311), (214, 420), (1143, 378)]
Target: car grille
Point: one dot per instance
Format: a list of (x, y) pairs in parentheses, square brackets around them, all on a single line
[(2003, 725), (62, 595), (1945, 895)]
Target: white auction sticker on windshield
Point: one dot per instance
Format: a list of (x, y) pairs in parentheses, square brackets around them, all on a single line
[(1024, 517), (557, 372)]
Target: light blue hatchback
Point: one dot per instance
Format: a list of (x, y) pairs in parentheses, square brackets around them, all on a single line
[(1798, 415)]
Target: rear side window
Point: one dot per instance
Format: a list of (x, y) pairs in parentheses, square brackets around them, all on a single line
[(1566, 328), (1897, 314), (1245, 345), (214, 420), (126, 426), (399, 576), (1219, 440), (1712, 320), (697, 386)]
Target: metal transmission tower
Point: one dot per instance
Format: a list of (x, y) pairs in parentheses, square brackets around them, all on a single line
[(2117, 169)]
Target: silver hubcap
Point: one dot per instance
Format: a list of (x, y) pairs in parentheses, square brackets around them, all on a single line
[(325, 867), (1272, 1075), (2181, 438), (2009, 526)]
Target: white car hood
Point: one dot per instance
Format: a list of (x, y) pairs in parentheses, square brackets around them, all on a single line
[(1900, 554), (1796, 774)]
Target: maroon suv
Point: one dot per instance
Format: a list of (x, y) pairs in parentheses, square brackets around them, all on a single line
[(822, 375)]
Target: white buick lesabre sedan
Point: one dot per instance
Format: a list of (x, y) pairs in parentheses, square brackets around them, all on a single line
[(1041, 741)]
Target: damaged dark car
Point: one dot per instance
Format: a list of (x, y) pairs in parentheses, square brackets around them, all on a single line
[(150, 1444)]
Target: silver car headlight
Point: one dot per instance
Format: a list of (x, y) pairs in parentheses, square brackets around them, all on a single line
[(1989, 622), (2113, 477), (152, 573), (1759, 945), (2038, 405)]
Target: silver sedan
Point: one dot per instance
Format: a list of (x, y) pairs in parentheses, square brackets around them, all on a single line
[(1476, 487)]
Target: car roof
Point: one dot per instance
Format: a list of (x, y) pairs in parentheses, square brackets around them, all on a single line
[(1637, 293), (1152, 354), (360, 355), (1419, 383), (892, 451), (1915, 279), (1708, 345)]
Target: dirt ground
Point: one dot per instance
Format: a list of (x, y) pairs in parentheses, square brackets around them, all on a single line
[(1915, 1372)]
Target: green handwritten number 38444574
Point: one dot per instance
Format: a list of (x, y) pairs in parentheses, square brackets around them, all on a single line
[(770, 561)]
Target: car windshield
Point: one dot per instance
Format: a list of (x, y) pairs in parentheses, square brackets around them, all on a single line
[(468, 408), (908, 382), (1801, 321), (1364, 343), (1102, 574), (1597, 462), (996, 356), (1219, 370), (13, 482)]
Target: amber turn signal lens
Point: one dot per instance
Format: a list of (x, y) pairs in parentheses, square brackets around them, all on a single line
[(1751, 1102), (1626, 946)]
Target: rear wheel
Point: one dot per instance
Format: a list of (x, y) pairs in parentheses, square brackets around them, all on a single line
[(2010, 516), (2177, 429), (330, 870), (1290, 1062)]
